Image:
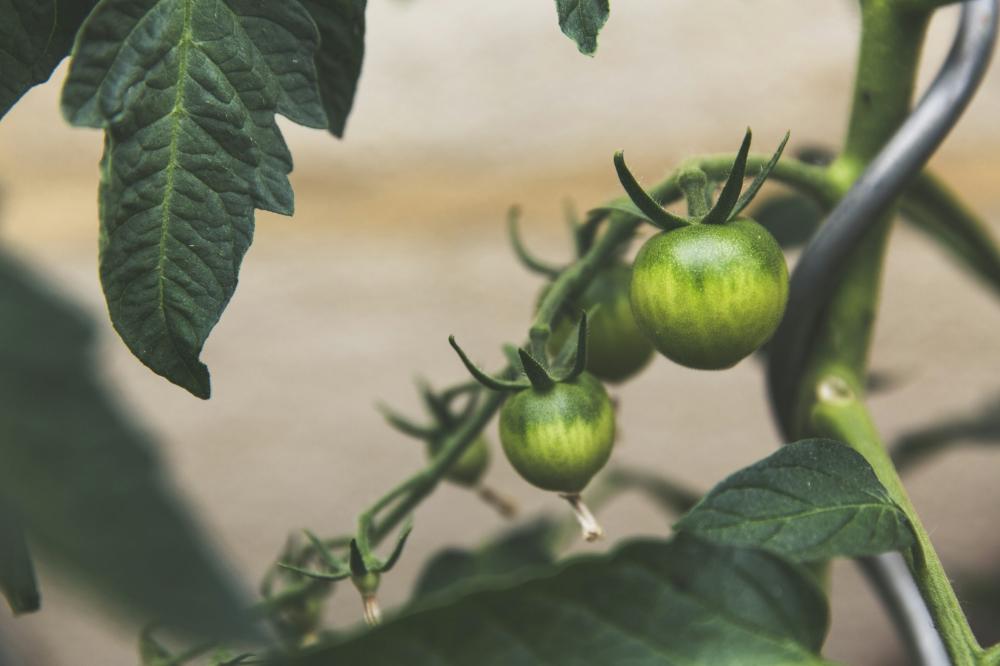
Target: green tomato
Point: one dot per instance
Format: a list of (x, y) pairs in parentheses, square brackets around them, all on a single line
[(557, 439), (708, 295), (471, 465), (616, 347)]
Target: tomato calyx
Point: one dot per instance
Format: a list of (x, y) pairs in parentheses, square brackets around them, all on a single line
[(362, 566), (533, 372), (697, 190)]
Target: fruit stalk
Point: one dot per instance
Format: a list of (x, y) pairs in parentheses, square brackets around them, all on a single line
[(589, 526)]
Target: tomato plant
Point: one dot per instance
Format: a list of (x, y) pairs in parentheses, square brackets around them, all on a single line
[(186, 94)]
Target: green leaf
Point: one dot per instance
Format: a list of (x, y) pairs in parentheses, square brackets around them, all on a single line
[(35, 35), (341, 26), (812, 500), (17, 572), (187, 91), (86, 484), (524, 546), (649, 602), (151, 651), (582, 20)]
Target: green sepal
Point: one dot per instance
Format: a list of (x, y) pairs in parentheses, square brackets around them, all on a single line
[(403, 424), (433, 402), (651, 210), (328, 558), (537, 374), (758, 181), (579, 352), (359, 566), (730, 194), (490, 382), (527, 260), (404, 534), (317, 575), (619, 206), (513, 356)]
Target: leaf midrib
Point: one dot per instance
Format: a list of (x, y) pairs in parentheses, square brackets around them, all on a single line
[(184, 48), (787, 517)]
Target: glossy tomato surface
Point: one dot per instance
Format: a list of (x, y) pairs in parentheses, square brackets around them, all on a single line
[(557, 439), (708, 295)]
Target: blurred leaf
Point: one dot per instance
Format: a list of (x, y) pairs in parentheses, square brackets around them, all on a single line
[(35, 35), (187, 94), (522, 546), (17, 573), (341, 26), (981, 426), (582, 20), (791, 218), (811, 500), (151, 651), (935, 210), (648, 602), (86, 482)]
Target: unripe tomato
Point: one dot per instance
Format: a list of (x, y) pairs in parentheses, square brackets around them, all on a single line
[(471, 465), (616, 348), (708, 295), (558, 438)]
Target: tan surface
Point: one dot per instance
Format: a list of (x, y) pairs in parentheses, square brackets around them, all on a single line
[(465, 108)]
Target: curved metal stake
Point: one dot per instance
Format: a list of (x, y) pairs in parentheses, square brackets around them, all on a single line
[(817, 272)]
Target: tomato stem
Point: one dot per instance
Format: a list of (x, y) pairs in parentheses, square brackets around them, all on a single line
[(694, 184), (831, 392)]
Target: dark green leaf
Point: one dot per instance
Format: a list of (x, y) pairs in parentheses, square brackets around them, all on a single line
[(791, 218), (341, 26), (17, 572), (151, 651), (812, 500), (35, 35), (523, 546), (582, 20), (682, 602), (86, 483), (187, 92)]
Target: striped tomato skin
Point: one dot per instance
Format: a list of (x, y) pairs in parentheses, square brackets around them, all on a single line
[(559, 438), (709, 295), (616, 348)]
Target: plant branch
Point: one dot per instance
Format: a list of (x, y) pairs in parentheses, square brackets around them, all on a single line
[(820, 357)]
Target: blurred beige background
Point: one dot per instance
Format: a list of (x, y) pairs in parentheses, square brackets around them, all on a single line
[(466, 107)]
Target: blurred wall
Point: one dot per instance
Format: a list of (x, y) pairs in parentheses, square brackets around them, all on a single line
[(398, 241)]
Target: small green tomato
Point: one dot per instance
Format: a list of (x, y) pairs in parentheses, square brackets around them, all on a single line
[(708, 295), (616, 348), (470, 467), (559, 438)]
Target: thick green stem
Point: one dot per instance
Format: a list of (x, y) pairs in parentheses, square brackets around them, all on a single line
[(839, 413), (830, 400)]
